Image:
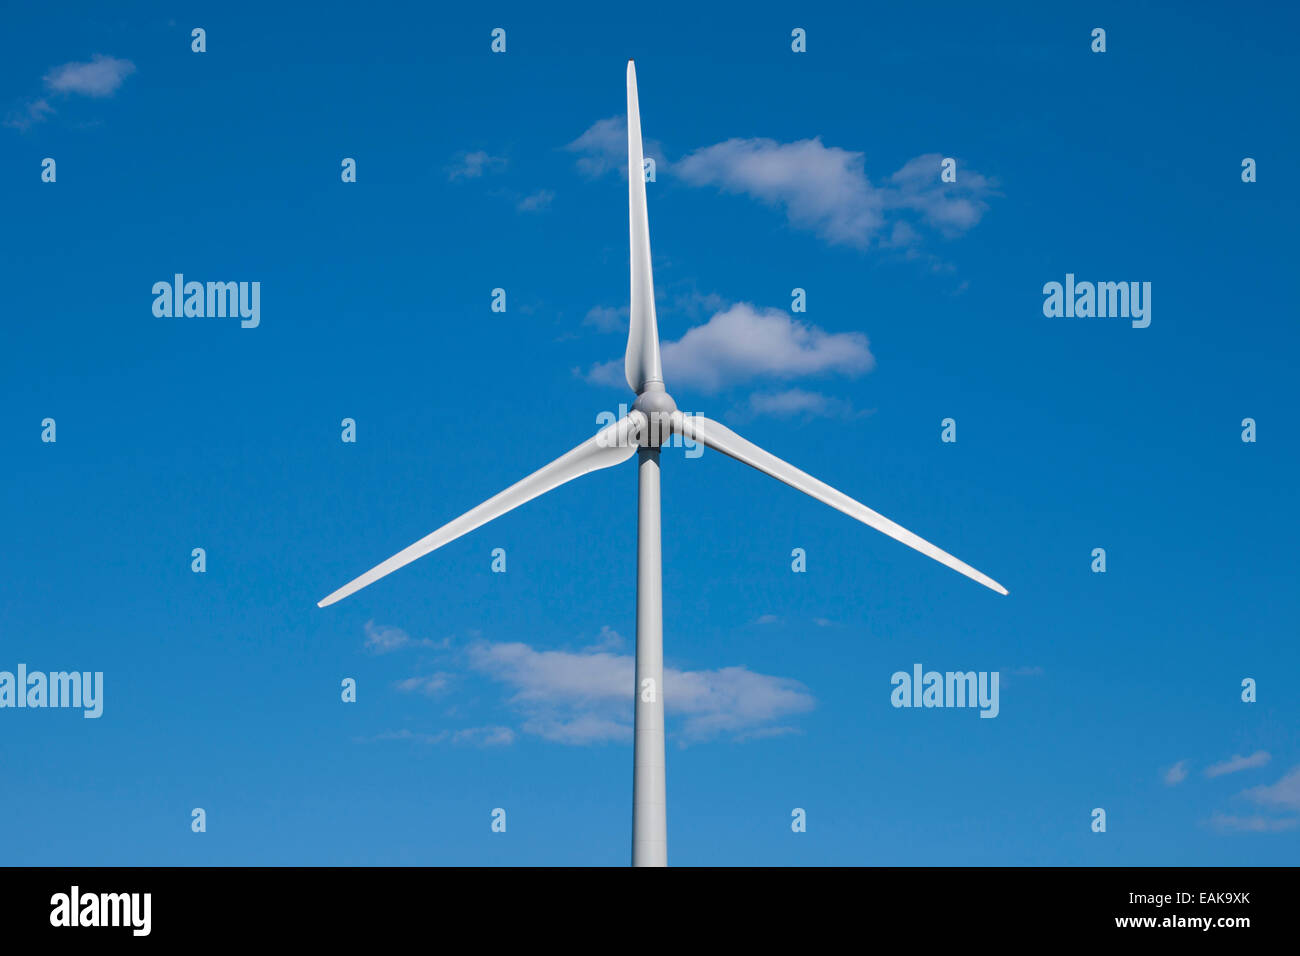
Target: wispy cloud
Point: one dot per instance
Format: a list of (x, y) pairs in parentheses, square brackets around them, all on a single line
[(797, 403), (606, 319), (697, 304), (825, 190), (474, 165), (430, 686), (1235, 763), (951, 208), (745, 342), (602, 148), (1176, 774), (29, 114), (479, 164), (579, 730), (382, 639), (484, 736), (1284, 794), (585, 697), (607, 640), (99, 77), (473, 736), (536, 202)]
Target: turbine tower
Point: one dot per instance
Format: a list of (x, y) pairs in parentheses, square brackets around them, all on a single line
[(651, 423)]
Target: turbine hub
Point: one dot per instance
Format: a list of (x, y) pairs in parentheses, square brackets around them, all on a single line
[(657, 406)]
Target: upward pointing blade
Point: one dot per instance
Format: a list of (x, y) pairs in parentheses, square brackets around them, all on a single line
[(610, 446), (642, 361), (723, 439)]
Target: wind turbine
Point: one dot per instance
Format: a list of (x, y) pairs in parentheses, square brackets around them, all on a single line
[(654, 418)]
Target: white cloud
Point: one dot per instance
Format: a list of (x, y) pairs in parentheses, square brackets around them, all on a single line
[(34, 112), (825, 189), (607, 640), (732, 699), (1237, 762), (484, 736), (1252, 824), (429, 686), (101, 76), (822, 188), (1176, 774), (382, 639), (744, 342), (474, 736), (475, 164), (603, 147), (1285, 793), (554, 677), (797, 403), (583, 698), (579, 731), (698, 304), (536, 202), (951, 208)]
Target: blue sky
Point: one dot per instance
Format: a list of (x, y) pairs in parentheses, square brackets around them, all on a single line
[(776, 170)]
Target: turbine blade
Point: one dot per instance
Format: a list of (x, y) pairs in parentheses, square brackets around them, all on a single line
[(642, 360), (610, 446), (723, 439)]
